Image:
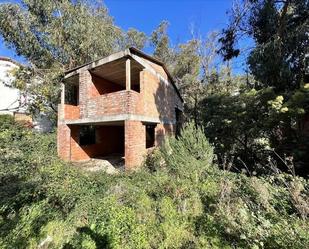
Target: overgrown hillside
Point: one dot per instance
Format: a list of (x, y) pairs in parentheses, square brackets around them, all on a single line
[(178, 200)]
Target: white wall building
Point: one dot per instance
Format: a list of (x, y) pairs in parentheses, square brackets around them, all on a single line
[(12, 101), (10, 98)]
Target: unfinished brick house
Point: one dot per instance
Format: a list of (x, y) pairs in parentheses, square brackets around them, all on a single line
[(122, 105)]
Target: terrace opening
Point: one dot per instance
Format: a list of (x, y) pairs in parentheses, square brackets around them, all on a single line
[(71, 91), (97, 140), (118, 75)]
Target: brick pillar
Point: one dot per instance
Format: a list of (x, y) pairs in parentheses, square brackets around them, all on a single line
[(63, 141), (85, 81), (77, 152), (135, 144)]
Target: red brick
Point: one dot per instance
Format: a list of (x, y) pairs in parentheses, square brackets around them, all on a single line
[(98, 97)]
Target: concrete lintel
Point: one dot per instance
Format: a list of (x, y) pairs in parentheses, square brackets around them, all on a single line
[(113, 118)]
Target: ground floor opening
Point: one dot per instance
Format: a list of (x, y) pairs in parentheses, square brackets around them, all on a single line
[(104, 140), (122, 143)]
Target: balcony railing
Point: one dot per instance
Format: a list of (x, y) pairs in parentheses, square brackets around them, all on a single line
[(71, 112), (121, 102)]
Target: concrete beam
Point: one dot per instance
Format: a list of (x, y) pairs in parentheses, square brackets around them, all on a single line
[(98, 63), (113, 118)]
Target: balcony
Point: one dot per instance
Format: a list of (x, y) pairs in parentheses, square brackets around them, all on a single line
[(106, 92), (116, 103)]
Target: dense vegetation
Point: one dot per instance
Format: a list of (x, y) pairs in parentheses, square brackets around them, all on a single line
[(279, 63), (178, 200)]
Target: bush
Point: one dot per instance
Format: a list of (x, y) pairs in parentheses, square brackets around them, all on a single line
[(178, 200)]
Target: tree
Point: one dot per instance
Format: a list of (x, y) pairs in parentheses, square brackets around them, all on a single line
[(54, 36), (279, 30), (186, 71), (159, 39), (277, 61), (197, 75), (134, 38), (191, 63)]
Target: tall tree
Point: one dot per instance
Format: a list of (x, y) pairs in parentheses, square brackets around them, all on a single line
[(134, 38), (280, 32), (186, 71), (54, 36), (279, 29), (160, 41)]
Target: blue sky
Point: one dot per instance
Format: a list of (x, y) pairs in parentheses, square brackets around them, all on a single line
[(205, 15), (145, 15)]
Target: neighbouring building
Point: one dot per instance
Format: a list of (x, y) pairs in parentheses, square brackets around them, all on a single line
[(122, 104), (13, 102)]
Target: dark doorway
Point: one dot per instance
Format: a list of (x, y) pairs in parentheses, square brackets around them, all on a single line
[(150, 136), (178, 114)]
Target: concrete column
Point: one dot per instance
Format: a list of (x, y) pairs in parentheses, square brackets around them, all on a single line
[(62, 93), (128, 74), (61, 105)]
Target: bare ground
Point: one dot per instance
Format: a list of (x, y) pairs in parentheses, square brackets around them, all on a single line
[(112, 164)]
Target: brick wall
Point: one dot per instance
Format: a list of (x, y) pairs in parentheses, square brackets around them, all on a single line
[(135, 143), (156, 98), (121, 102), (160, 98), (63, 141), (71, 112), (85, 81)]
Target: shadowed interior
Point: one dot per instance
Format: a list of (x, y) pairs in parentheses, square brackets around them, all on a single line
[(109, 139)]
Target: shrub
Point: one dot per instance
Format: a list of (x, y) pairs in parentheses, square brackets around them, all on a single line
[(178, 200), (188, 155)]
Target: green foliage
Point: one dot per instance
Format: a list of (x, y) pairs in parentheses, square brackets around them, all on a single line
[(58, 32), (278, 60), (54, 36), (179, 200), (192, 150), (279, 31), (241, 127), (134, 38), (161, 43), (252, 129)]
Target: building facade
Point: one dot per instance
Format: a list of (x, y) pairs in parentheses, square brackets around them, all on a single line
[(122, 104), (11, 100), (14, 102)]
